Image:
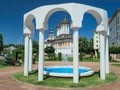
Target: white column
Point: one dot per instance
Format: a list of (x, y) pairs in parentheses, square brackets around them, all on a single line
[(102, 55), (75, 56), (30, 54), (107, 56), (26, 55), (41, 55)]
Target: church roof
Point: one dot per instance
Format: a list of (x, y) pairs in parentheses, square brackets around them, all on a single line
[(64, 21), (64, 36)]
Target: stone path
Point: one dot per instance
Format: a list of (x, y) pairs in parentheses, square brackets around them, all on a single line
[(7, 82)]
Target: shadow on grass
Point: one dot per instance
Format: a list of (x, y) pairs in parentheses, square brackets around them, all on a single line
[(36, 71), (95, 73), (33, 72)]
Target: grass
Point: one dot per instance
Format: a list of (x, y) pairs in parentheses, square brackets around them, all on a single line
[(118, 65), (91, 81), (2, 66), (91, 59), (86, 59)]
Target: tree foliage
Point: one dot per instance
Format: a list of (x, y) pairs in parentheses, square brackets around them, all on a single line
[(9, 59), (1, 43), (114, 50), (35, 44), (60, 56), (49, 50), (90, 46), (85, 45), (35, 47)]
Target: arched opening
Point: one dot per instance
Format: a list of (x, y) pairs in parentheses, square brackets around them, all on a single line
[(89, 37), (52, 12), (54, 21), (30, 24)]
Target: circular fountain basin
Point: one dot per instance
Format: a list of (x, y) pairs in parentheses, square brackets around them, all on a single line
[(66, 71)]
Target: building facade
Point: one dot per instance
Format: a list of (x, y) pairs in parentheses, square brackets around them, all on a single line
[(63, 42), (96, 44), (114, 33)]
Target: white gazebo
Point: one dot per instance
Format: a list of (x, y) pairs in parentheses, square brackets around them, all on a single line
[(76, 11)]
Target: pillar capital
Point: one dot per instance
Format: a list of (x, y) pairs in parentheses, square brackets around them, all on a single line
[(26, 31), (41, 29), (26, 34), (102, 31), (76, 28)]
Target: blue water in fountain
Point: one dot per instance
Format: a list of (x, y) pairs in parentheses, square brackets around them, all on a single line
[(65, 70)]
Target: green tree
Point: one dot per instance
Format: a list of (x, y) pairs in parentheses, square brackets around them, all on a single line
[(83, 44), (35, 47), (15, 54), (35, 44), (19, 47), (49, 50), (8, 45), (90, 46), (8, 57), (60, 56), (1, 43), (114, 50)]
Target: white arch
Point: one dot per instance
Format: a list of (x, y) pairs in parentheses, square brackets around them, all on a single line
[(96, 15), (76, 11)]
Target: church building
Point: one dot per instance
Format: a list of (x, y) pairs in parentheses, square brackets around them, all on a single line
[(63, 42)]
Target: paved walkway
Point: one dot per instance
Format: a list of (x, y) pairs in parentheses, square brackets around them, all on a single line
[(7, 82)]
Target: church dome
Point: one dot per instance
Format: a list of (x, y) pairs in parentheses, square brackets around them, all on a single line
[(64, 21)]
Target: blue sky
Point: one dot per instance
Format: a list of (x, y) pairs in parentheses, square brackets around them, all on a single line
[(12, 11)]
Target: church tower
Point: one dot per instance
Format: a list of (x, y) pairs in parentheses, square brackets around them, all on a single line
[(63, 27), (51, 37)]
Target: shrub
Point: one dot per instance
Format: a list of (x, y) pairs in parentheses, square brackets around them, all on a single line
[(91, 54), (81, 55), (8, 59), (52, 56), (114, 50), (70, 58), (15, 54), (59, 56)]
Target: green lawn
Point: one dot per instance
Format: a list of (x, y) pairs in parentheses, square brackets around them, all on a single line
[(2, 66), (66, 82), (118, 65)]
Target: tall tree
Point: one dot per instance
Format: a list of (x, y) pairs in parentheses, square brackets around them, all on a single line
[(35, 47), (49, 50), (90, 49), (83, 44), (1, 43)]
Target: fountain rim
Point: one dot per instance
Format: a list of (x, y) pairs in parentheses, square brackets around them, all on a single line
[(90, 72)]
